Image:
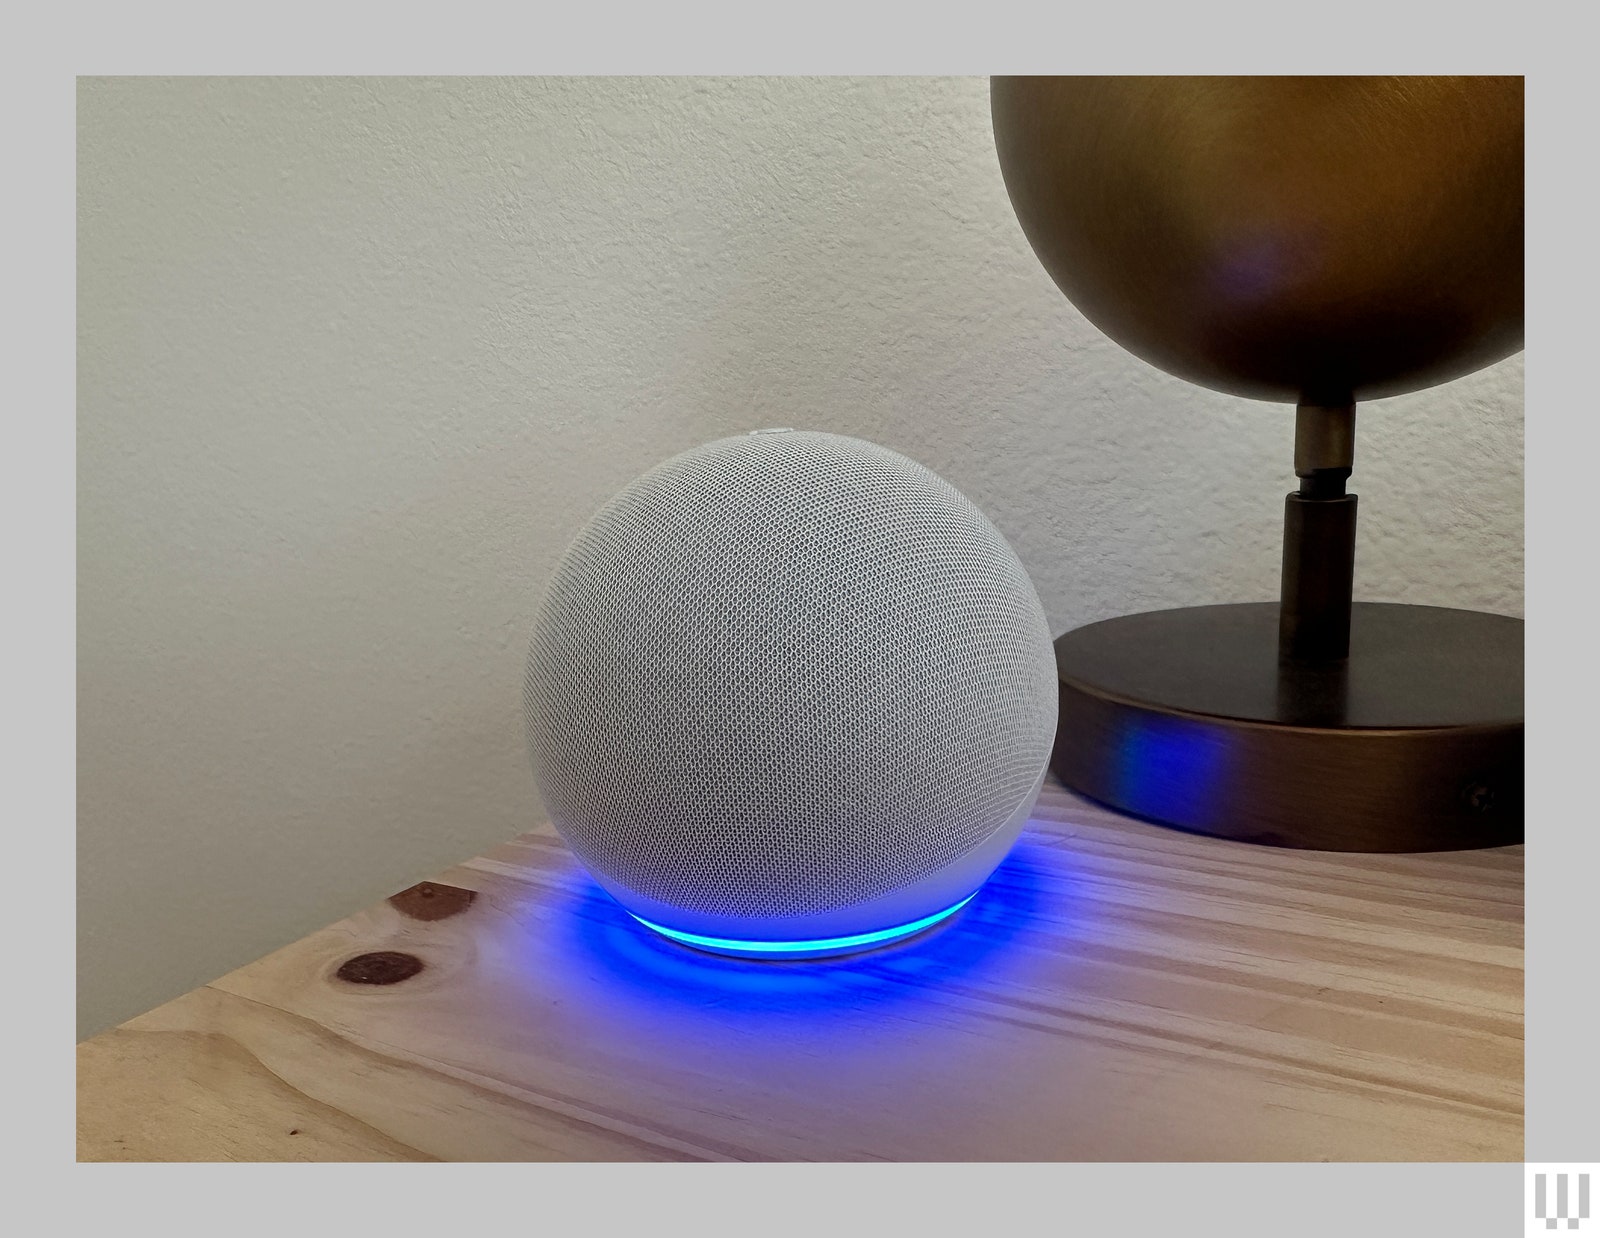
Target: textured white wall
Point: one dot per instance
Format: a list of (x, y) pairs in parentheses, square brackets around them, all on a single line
[(356, 358)]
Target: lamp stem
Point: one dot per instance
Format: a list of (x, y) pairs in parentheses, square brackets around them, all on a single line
[(1319, 537)]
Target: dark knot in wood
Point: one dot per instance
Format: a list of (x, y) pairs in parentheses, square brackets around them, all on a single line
[(429, 900), (379, 967)]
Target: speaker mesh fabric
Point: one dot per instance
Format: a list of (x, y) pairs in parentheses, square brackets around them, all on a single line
[(784, 673)]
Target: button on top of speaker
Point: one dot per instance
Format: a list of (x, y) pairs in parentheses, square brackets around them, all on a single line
[(779, 430)]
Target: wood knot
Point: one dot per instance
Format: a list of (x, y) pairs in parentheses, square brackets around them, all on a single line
[(379, 967), (429, 900)]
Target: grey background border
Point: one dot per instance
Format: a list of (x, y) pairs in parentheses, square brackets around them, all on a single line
[(60, 41)]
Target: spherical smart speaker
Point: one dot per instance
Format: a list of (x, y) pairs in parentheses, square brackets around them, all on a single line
[(789, 695)]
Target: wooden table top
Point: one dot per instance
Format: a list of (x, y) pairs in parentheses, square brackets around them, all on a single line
[(1117, 992)]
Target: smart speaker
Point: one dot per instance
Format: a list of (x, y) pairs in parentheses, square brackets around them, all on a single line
[(790, 694)]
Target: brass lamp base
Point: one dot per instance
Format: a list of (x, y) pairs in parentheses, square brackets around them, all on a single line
[(1190, 718)]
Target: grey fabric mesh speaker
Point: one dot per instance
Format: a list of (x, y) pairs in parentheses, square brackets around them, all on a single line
[(789, 686)]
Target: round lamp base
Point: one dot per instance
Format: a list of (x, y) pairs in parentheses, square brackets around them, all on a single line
[(1187, 717)]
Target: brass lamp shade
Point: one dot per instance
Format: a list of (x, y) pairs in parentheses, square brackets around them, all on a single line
[(1284, 238)]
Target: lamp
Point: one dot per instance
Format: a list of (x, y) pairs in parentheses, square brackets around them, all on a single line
[(1317, 241)]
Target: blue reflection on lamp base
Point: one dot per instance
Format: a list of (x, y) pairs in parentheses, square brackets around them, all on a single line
[(813, 948), (1168, 769)]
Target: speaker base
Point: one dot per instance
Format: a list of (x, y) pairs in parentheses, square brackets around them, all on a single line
[(1188, 718)]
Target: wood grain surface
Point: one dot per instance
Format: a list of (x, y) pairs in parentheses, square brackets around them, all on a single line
[(1118, 992)]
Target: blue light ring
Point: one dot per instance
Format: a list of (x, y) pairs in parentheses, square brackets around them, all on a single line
[(811, 946)]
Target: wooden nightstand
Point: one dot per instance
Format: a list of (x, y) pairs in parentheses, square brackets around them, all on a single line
[(1118, 992)]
